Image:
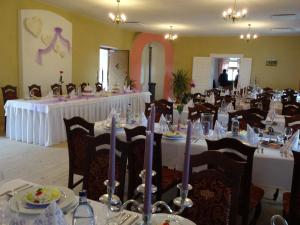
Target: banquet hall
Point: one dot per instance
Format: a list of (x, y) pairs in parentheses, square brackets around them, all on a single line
[(150, 112)]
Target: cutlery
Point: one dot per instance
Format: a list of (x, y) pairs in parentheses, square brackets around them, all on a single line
[(14, 190), (125, 219), (17, 191)]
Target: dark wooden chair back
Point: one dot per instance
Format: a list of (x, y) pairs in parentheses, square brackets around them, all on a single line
[(56, 89), (293, 122), (82, 86), (294, 207), (264, 101), (268, 90), (70, 87), (76, 128), (35, 90), (9, 92), (97, 164), (290, 108), (265, 95), (254, 117), (214, 189), (148, 111), (194, 114), (198, 98), (165, 107), (243, 153), (98, 87)]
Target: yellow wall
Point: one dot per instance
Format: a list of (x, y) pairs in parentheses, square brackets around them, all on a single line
[(88, 36), (285, 49)]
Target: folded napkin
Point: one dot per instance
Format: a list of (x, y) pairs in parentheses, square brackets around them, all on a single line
[(170, 100), (219, 131), (51, 216), (72, 93), (112, 113), (197, 129), (143, 119), (163, 124), (190, 104), (252, 137), (230, 107), (211, 99), (271, 115)]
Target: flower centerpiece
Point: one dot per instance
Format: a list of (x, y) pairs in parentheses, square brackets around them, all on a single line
[(180, 83)]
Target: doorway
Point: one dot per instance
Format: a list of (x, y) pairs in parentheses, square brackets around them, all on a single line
[(113, 67), (157, 69)]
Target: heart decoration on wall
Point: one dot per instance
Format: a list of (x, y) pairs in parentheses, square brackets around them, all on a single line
[(46, 39), (33, 25)]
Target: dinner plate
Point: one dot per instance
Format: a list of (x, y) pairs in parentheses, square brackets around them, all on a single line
[(160, 218), (42, 196), (17, 203)]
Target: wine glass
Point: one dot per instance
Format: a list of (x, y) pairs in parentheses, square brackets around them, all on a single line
[(288, 131)]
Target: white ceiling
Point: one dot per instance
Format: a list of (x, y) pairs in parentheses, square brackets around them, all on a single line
[(193, 17)]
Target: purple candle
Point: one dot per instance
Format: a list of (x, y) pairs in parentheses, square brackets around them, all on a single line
[(152, 118), (148, 178), (111, 169), (185, 175)]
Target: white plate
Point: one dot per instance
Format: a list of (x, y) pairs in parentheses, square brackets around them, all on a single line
[(68, 198), (173, 137), (159, 218)]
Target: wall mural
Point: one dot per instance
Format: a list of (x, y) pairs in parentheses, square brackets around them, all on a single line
[(46, 48)]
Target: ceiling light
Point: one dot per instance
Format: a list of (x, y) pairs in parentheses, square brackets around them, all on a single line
[(234, 14), (171, 36), (249, 36), (118, 17)]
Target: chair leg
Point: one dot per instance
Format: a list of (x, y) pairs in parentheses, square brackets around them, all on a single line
[(275, 195), (70, 181), (256, 214)]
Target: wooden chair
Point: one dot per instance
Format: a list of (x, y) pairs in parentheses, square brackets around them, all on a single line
[(70, 87), (165, 107), (251, 195), (56, 89), (268, 90), (254, 117), (198, 98), (165, 178), (98, 87), (194, 114), (76, 128), (35, 90), (9, 92), (82, 86), (290, 108), (264, 101), (215, 190), (265, 95), (291, 200), (97, 164), (293, 122), (148, 111)]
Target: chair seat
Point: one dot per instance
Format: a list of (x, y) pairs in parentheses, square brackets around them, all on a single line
[(170, 177), (256, 195), (286, 198)]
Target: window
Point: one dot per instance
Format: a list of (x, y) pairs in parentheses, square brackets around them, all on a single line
[(232, 66), (103, 67)]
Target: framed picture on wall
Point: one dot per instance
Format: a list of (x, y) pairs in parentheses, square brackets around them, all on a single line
[(271, 62)]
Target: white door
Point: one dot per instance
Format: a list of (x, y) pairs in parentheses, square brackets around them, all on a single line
[(202, 74), (245, 72)]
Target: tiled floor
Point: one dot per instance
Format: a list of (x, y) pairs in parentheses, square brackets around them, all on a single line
[(50, 166)]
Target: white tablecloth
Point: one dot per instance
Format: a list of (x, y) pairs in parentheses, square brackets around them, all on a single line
[(41, 121), (270, 169), (100, 210)]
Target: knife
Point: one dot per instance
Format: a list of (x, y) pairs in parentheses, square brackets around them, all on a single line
[(14, 190), (125, 218)]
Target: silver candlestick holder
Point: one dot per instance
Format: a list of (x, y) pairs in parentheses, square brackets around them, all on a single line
[(114, 202)]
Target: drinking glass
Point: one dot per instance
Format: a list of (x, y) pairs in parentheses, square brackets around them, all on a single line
[(207, 121)]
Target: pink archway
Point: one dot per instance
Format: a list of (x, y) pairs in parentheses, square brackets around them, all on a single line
[(136, 59)]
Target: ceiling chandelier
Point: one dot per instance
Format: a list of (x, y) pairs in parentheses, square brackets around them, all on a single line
[(249, 36), (118, 17), (234, 14), (171, 36)]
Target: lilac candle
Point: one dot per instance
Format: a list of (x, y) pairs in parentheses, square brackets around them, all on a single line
[(111, 169), (152, 118), (185, 176), (148, 178)]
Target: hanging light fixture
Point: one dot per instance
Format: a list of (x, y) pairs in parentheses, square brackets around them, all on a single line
[(171, 36), (249, 36), (118, 17), (234, 14)]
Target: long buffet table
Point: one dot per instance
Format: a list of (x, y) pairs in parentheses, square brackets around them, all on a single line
[(270, 168), (41, 121)]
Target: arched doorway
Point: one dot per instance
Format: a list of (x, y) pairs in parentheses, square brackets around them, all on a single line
[(136, 59)]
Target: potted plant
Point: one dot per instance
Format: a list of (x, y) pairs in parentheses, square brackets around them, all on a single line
[(180, 83)]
